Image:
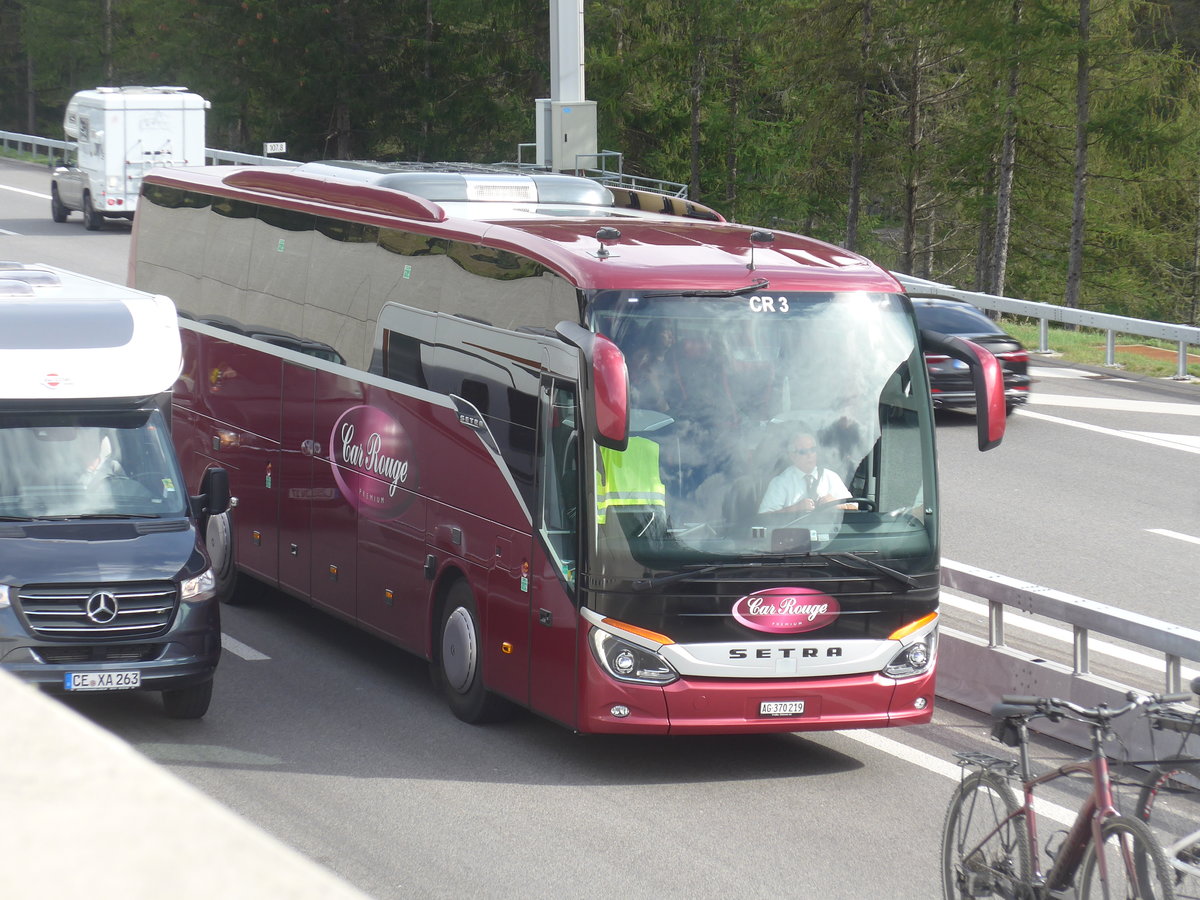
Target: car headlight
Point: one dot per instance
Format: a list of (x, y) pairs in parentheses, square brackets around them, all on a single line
[(3, 596), (914, 659), (628, 662), (200, 587)]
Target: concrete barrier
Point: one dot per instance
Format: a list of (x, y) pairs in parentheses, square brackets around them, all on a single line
[(88, 816)]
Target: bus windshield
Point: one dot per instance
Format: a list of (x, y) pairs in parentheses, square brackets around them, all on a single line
[(765, 427)]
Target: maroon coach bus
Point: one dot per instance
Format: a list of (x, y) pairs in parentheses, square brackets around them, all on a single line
[(590, 450)]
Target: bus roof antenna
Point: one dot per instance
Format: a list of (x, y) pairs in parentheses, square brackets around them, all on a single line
[(605, 235), (758, 237)]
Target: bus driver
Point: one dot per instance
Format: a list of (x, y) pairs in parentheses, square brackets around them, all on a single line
[(803, 485)]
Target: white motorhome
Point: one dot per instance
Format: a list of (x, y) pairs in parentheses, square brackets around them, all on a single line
[(120, 133), (105, 579)]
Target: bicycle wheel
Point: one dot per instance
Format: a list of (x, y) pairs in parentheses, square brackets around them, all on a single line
[(1135, 866), (1168, 802), (985, 853)]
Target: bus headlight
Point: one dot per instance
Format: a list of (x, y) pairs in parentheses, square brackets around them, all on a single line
[(629, 662), (198, 588), (914, 659)]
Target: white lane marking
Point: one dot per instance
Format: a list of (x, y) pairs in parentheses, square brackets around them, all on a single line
[(1065, 636), (10, 233), (1157, 407), (1040, 372), (236, 647), (1191, 538), (1183, 440), (40, 196), (946, 769), (1112, 432)]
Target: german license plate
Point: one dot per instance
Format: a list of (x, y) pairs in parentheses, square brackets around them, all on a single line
[(781, 708), (102, 681)]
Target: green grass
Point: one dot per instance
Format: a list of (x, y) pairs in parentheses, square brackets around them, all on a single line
[(1087, 347)]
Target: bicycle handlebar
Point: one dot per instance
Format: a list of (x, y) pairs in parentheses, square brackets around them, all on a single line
[(1020, 705)]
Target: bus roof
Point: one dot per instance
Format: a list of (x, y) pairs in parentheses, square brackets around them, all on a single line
[(599, 238)]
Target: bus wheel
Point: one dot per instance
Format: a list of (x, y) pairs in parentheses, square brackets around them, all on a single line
[(218, 538), (92, 220), (460, 661)]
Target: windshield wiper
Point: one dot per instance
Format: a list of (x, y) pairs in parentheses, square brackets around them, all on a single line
[(879, 567), (759, 285), (645, 584), (103, 516)]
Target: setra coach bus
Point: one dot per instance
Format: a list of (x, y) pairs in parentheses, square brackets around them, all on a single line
[(554, 436)]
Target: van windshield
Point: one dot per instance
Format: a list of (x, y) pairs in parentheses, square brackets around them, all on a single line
[(87, 465)]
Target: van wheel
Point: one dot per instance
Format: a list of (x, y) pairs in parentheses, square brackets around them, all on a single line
[(58, 212), (92, 220), (218, 539), (189, 702), (459, 662)]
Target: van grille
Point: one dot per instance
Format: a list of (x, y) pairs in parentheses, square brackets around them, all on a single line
[(80, 653), (140, 609)]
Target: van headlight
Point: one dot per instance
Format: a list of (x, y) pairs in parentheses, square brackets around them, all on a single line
[(629, 662), (199, 588), (4, 596), (915, 659)]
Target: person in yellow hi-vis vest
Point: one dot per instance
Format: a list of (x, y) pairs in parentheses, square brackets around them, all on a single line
[(630, 479)]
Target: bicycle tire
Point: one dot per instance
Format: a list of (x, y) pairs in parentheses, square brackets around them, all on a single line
[(1163, 802), (1140, 874), (1000, 865)]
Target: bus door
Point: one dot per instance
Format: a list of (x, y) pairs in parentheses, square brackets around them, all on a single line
[(555, 559), (299, 446)]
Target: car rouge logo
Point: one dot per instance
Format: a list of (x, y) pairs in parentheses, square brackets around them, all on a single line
[(786, 610), (371, 456)]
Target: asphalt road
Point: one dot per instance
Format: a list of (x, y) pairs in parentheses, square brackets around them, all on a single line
[(338, 744)]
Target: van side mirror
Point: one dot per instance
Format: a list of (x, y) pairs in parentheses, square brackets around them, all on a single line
[(213, 498), (987, 376)]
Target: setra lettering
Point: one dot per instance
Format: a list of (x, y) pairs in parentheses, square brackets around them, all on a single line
[(783, 652)]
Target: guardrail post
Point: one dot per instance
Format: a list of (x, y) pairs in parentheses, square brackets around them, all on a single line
[(1082, 664), (995, 623), (1174, 674), (1182, 373), (1043, 335), (1110, 348)]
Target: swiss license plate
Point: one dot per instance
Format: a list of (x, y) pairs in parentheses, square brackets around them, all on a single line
[(102, 681), (781, 708)]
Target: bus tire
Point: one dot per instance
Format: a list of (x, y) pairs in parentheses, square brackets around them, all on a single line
[(459, 660), (58, 212), (92, 220), (218, 538)]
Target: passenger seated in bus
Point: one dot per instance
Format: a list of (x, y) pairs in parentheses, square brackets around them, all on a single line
[(653, 371), (803, 485)]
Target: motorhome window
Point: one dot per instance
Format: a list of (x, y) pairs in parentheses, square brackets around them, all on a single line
[(102, 464), (88, 324), (402, 359)]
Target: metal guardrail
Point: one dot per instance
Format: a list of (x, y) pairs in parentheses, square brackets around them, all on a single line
[(1182, 335), (1175, 642), (46, 147)]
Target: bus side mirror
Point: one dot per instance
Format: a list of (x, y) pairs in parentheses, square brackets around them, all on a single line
[(608, 400), (987, 377), (213, 498)]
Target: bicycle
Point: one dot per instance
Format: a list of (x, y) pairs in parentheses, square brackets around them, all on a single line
[(988, 835), (1166, 795)]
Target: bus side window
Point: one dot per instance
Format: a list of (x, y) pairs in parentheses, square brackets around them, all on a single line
[(560, 477)]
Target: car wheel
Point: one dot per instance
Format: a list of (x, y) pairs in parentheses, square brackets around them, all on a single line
[(189, 702), (92, 220), (58, 212), (459, 663)]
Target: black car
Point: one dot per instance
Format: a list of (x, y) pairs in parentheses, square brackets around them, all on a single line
[(950, 379)]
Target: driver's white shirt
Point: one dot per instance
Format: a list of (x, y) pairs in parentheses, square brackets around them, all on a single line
[(791, 486)]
